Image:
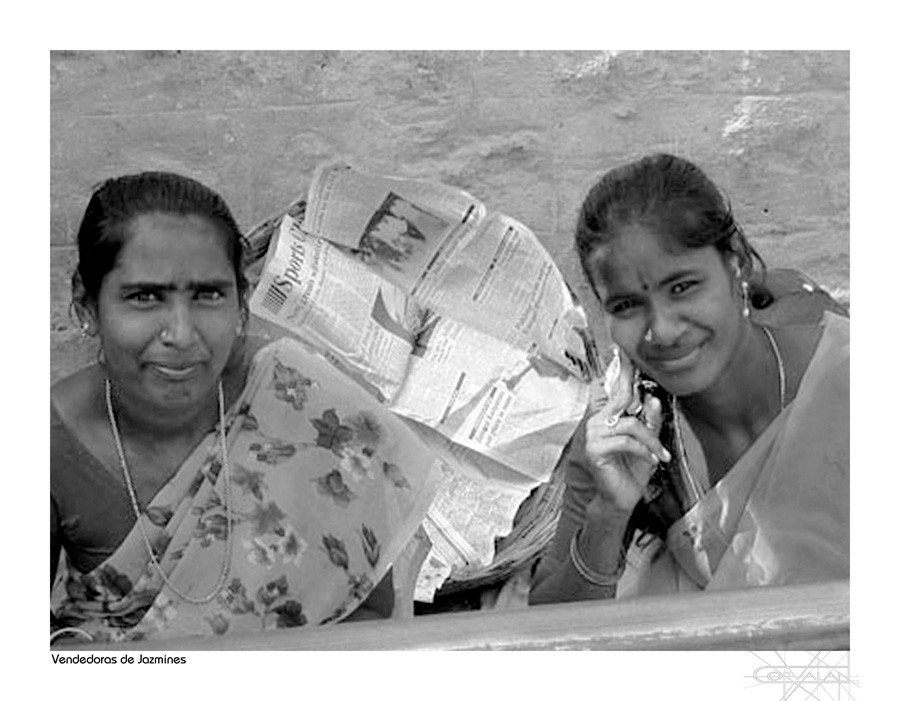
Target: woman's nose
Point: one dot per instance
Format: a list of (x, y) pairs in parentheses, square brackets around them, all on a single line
[(666, 326), (178, 326)]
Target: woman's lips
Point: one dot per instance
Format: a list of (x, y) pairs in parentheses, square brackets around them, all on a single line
[(177, 373), (675, 360)]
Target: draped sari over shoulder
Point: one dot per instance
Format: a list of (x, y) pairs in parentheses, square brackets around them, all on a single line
[(327, 487), (780, 515)]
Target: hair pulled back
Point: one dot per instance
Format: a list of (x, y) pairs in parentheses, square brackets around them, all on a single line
[(116, 202), (671, 196)]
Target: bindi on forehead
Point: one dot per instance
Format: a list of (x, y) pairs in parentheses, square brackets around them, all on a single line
[(638, 260), (613, 271)]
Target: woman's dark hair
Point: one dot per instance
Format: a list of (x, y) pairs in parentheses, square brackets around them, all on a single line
[(116, 202), (669, 194)]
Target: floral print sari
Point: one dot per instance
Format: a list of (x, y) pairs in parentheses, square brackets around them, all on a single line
[(327, 488)]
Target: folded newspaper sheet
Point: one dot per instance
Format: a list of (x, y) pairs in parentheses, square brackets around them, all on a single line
[(336, 303), (457, 320)]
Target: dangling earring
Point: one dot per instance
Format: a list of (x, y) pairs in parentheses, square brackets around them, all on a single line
[(648, 337), (745, 288), (745, 293), (86, 330)]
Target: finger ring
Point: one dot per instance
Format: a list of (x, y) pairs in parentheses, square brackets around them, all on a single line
[(611, 421)]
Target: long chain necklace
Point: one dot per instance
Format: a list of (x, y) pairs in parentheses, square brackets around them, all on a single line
[(782, 395), (782, 384), (226, 562)]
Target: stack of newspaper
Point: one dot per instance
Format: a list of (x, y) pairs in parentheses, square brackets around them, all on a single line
[(455, 318)]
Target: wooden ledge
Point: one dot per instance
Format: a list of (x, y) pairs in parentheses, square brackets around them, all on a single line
[(796, 617)]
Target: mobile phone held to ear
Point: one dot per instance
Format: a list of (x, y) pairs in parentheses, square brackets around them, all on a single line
[(672, 489)]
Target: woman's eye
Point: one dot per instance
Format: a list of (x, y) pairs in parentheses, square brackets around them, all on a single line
[(622, 307), (210, 295), (144, 297), (679, 288)]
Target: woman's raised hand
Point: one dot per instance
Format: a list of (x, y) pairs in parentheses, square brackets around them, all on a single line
[(622, 438)]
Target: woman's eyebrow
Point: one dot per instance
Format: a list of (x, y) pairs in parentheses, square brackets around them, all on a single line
[(148, 286), (678, 275), (218, 283), (668, 280), (214, 282), (617, 297)]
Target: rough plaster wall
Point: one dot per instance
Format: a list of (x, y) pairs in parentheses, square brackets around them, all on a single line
[(526, 132)]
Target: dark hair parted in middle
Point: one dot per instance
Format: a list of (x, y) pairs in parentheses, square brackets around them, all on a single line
[(669, 195), (113, 205)]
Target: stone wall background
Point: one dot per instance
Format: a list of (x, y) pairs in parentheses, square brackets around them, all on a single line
[(526, 132)]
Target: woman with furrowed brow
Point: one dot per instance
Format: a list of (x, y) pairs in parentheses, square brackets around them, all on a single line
[(717, 454), (204, 482)]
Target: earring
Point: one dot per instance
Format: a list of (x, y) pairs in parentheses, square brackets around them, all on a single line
[(745, 288), (164, 335), (648, 337), (86, 330)]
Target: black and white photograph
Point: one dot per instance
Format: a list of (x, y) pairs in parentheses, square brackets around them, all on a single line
[(639, 441)]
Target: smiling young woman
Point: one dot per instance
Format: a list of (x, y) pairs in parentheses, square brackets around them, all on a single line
[(751, 427), (191, 489)]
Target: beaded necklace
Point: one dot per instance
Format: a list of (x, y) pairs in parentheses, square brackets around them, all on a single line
[(226, 562)]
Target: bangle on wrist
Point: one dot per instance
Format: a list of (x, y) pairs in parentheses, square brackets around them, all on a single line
[(600, 579)]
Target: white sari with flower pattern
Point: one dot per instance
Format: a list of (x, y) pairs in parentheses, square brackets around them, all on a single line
[(327, 489)]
